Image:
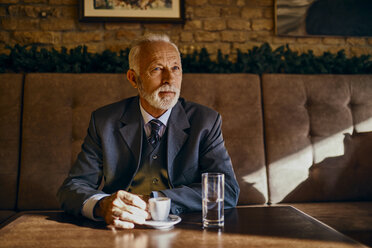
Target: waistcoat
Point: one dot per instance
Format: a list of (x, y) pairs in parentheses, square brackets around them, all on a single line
[(152, 173)]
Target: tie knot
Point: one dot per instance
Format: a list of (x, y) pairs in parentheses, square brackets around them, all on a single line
[(155, 125)]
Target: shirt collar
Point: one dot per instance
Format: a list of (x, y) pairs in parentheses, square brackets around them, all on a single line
[(147, 117)]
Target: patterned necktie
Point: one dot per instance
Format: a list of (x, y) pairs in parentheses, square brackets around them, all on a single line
[(154, 136)]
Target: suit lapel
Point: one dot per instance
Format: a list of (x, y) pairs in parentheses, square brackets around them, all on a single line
[(132, 130), (177, 123)]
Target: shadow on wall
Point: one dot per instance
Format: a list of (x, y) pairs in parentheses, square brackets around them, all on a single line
[(306, 119), (342, 177)]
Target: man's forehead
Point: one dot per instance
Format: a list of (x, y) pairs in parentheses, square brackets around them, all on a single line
[(160, 50), (160, 55)]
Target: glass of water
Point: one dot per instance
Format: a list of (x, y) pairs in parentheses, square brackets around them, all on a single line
[(213, 190)]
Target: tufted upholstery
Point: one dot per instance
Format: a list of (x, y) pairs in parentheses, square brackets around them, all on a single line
[(57, 110), (10, 118), (237, 97), (306, 118)]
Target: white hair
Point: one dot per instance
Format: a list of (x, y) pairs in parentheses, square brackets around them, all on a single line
[(136, 48)]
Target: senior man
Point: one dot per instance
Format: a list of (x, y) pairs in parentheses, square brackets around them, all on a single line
[(154, 144)]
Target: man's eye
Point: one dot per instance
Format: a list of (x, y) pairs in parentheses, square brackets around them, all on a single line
[(175, 68), (157, 69)]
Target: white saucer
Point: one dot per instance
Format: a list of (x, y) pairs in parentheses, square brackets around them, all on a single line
[(165, 224)]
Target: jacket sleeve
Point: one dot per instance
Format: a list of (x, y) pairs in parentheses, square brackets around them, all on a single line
[(213, 157), (85, 175)]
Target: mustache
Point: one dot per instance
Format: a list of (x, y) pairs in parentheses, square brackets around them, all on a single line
[(168, 88)]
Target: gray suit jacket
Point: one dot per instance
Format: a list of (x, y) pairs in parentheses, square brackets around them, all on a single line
[(112, 151)]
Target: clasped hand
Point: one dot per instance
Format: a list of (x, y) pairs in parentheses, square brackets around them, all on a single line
[(123, 209)]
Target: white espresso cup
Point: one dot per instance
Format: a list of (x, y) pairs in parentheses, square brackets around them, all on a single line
[(159, 208)]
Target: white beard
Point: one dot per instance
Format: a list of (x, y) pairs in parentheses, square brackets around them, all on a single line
[(163, 103)]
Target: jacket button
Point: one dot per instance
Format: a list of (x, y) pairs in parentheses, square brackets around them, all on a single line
[(155, 157)]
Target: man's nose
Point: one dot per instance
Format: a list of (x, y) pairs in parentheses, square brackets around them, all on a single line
[(167, 76)]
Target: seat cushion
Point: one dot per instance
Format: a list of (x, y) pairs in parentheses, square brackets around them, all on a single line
[(306, 118), (237, 97), (57, 109), (10, 123)]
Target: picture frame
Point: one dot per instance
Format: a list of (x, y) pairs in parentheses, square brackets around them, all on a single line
[(171, 11)]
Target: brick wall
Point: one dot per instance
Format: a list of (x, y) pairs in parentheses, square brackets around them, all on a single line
[(213, 24)]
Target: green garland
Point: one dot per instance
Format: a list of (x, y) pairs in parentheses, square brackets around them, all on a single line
[(258, 60)]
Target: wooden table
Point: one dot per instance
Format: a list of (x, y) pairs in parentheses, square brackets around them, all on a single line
[(281, 226), (354, 219)]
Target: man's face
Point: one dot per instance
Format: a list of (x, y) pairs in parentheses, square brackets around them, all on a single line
[(160, 77)]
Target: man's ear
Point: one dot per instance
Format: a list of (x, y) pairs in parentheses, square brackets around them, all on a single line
[(131, 76)]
